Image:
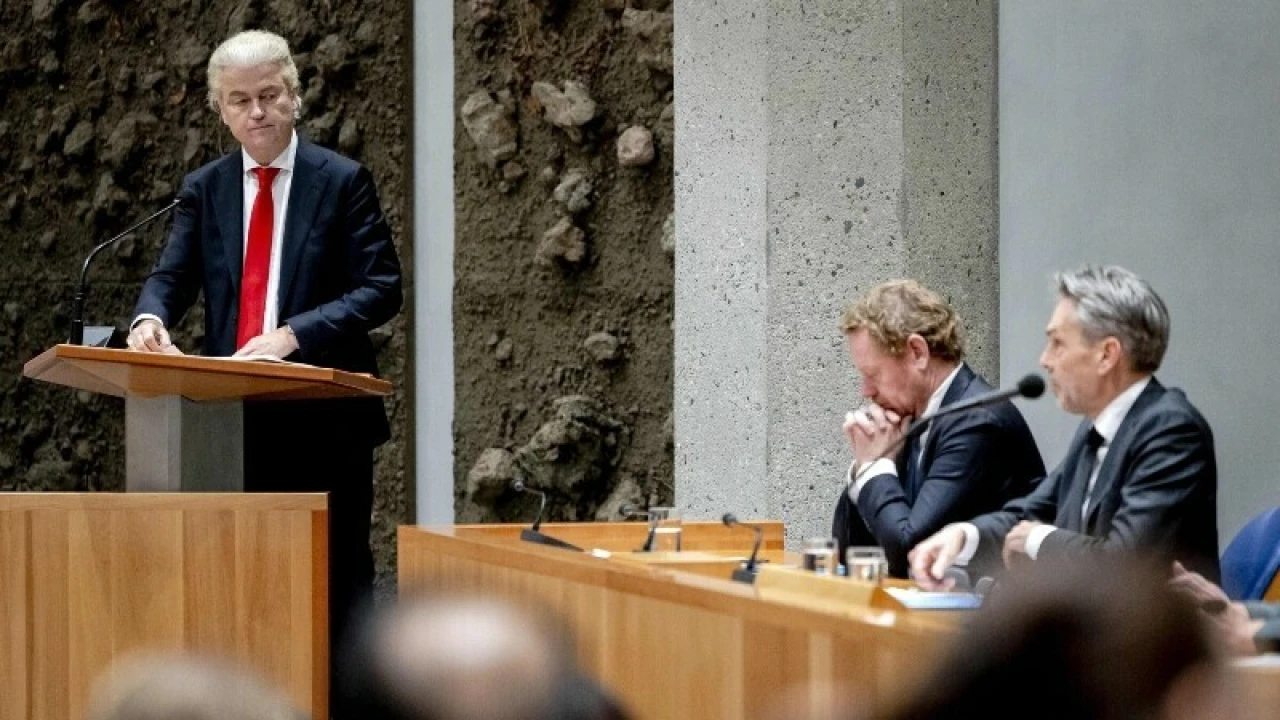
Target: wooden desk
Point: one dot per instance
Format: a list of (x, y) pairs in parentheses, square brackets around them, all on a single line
[(87, 578), (683, 645), (674, 644)]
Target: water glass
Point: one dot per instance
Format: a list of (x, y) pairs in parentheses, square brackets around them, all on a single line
[(820, 555), (866, 563), (666, 527)]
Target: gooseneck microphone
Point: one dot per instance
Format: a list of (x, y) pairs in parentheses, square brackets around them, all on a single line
[(532, 533), (78, 300), (1030, 386), (746, 573), (629, 512)]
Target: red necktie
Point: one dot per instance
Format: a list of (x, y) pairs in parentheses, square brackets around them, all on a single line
[(257, 260)]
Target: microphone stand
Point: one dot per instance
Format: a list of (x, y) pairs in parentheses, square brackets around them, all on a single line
[(532, 533), (746, 573), (78, 300)]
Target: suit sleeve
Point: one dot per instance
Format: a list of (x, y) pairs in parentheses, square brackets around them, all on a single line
[(175, 281), (374, 292), (963, 464), (1165, 476), (1041, 505)]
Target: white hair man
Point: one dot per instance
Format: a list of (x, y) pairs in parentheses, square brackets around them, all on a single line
[(1140, 474), (288, 244)]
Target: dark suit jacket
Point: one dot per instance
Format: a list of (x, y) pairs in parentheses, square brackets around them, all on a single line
[(973, 462), (339, 273), (1156, 492)]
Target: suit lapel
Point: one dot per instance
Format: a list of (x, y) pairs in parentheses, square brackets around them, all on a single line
[(305, 193), (228, 203), (957, 392), (1119, 447), (1068, 516)]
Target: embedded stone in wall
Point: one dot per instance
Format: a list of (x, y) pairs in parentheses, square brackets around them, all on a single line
[(349, 138), (490, 476), (574, 191), (490, 127), (668, 240), (570, 109), (626, 492), (564, 243), (572, 451), (635, 147), (78, 140), (602, 346), (655, 30)]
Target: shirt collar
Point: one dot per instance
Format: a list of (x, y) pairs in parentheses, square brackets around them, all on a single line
[(1108, 421), (284, 161), (935, 400)]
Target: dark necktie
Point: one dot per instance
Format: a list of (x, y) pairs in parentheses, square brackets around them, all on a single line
[(912, 485), (257, 260), (1084, 470)]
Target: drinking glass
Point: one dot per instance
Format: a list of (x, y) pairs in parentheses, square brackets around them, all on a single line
[(667, 529), (820, 555), (866, 563)]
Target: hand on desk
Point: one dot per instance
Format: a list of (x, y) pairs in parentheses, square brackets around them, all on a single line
[(1015, 544), (279, 342), (931, 558), (1228, 620), (150, 336)]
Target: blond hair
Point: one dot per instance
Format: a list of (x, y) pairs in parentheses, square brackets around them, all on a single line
[(249, 48), (894, 311)]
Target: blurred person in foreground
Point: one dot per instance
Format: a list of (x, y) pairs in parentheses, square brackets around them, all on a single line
[(185, 688), (1250, 628), (1140, 474), (907, 345), (468, 659), (1098, 639)]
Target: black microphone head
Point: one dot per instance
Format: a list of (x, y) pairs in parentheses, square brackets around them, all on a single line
[(1031, 386), (729, 519)]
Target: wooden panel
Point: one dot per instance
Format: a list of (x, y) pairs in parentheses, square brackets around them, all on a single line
[(87, 579), (120, 372), (1272, 595)]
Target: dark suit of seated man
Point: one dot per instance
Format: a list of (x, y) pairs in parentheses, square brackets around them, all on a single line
[(905, 342), (1140, 474)]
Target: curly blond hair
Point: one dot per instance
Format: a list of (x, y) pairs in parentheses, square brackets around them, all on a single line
[(894, 311)]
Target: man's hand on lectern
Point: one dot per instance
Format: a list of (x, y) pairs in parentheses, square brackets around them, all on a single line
[(150, 336), (279, 343)]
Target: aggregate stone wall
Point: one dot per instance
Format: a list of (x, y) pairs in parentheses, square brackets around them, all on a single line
[(102, 112), (563, 297)]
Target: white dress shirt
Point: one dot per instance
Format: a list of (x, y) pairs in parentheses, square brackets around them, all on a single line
[(1107, 424), (280, 200), (886, 466)]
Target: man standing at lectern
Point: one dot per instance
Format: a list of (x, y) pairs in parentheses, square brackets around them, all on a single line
[(288, 243)]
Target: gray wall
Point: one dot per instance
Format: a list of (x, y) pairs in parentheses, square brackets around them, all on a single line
[(1144, 133)]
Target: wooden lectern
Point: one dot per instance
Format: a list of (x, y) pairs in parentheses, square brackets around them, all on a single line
[(184, 422), (88, 579)]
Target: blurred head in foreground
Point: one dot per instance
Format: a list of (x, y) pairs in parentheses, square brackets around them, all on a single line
[(468, 659), (1104, 640), (184, 688)]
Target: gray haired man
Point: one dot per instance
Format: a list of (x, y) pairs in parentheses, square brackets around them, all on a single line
[(1139, 475)]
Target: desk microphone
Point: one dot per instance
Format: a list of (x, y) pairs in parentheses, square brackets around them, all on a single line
[(746, 573), (532, 533), (82, 288)]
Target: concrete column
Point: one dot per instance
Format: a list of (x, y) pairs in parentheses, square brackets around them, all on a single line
[(807, 133)]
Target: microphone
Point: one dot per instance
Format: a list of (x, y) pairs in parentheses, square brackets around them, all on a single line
[(77, 300), (746, 573), (532, 533), (1031, 386)]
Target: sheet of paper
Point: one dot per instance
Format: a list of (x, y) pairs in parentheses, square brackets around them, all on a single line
[(921, 600)]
